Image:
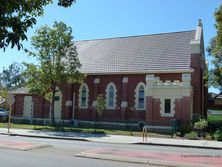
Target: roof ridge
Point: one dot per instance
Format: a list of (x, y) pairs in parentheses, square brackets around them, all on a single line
[(133, 36)]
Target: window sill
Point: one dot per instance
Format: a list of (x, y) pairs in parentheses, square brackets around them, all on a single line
[(167, 115), (83, 107), (110, 108), (140, 109)]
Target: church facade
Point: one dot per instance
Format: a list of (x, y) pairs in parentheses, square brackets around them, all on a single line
[(152, 79)]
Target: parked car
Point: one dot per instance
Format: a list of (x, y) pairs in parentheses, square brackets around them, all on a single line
[(4, 114)]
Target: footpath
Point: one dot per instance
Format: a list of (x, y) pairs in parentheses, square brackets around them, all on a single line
[(106, 138)]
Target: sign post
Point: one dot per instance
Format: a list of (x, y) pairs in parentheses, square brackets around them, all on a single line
[(10, 101)]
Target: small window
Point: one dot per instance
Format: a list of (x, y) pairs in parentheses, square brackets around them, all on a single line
[(111, 96), (141, 97), (56, 98), (83, 98), (167, 106)]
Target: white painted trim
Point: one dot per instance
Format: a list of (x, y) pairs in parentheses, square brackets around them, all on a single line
[(137, 96), (107, 96), (80, 96)]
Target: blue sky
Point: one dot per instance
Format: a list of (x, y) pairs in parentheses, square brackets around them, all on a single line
[(93, 19)]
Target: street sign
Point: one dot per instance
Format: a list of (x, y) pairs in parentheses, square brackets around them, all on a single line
[(10, 99)]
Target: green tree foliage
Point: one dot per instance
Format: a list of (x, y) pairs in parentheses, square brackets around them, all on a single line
[(11, 77), (17, 16), (100, 104), (58, 62), (3, 97), (215, 50)]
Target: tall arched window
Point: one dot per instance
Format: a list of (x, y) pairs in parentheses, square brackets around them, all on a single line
[(111, 96), (83, 96), (140, 96)]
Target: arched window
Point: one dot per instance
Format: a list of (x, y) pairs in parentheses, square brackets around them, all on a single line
[(140, 96), (83, 96), (111, 96)]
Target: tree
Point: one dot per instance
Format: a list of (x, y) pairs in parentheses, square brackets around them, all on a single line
[(215, 50), (16, 17), (11, 77), (100, 106), (3, 97), (58, 62)]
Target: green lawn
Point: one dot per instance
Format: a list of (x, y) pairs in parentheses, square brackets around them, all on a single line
[(82, 130), (214, 118)]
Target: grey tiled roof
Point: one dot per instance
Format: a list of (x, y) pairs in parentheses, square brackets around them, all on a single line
[(137, 54)]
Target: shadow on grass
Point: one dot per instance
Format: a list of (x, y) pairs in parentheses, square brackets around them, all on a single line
[(70, 132)]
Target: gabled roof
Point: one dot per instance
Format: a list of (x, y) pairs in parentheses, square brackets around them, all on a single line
[(21, 90), (166, 52)]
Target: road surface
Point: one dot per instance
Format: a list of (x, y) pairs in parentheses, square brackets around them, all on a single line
[(62, 153)]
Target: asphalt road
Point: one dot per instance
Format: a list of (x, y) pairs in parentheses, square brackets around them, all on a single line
[(62, 153)]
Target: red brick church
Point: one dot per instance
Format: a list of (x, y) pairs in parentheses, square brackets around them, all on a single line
[(148, 78)]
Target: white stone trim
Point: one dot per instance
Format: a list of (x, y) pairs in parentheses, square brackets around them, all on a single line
[(57, 107), (137, 96), (196, 44), (124, 104), (97, 80), (80, 96), (94, 103), (168, 90), (172, 106), (107, 96), (28, 108), (125, 80)]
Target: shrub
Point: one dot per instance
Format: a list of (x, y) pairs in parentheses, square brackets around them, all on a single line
[(196, 118), (192, 135), (183, 129), (218, 135), (208, 136), (201, 124)]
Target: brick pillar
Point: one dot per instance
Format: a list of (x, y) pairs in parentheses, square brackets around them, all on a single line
[(186, 118), (150, 80), (149, 109), (66, 101), (198, 65), (124, 103), (95, 93)]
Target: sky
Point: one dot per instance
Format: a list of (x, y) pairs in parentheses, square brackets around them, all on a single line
[(95, 19)]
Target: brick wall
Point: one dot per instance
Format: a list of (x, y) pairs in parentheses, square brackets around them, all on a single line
[(130, 114)]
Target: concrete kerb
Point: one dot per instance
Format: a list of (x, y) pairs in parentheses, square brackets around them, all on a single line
[(45, 137), (135, 160), (176, 145)]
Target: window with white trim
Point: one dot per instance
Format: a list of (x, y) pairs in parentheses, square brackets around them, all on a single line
[(140, 96), (111, 96), (83, 96), (167, 105)]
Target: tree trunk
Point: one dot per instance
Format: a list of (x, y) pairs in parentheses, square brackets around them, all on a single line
[(53, 108)]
